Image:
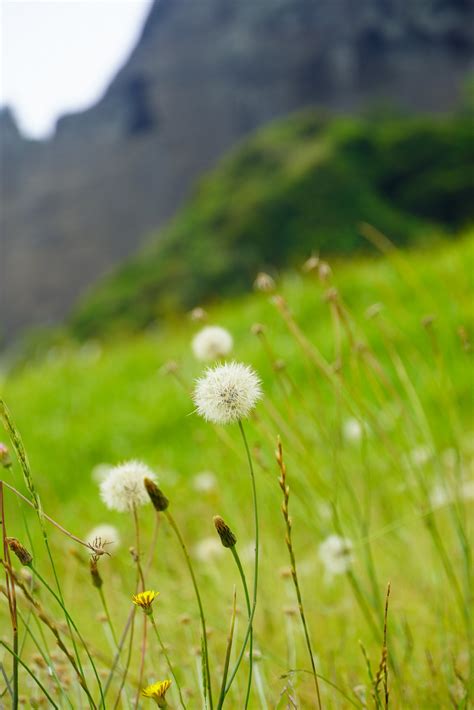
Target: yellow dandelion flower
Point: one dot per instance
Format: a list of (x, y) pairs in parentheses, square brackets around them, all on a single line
[(157, 692), (145, 600)]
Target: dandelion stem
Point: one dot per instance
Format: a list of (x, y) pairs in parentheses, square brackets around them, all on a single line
[(198, 598), (165, 654), (107, 616), (255, 581), (250, 611), (30, 672), (227, 655)]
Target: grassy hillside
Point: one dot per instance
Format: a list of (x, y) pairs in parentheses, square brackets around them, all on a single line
[(302, 184), (393, 341)]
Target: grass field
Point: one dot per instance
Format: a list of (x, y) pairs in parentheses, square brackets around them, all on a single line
[(367, 380)]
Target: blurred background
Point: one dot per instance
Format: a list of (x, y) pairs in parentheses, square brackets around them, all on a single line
[(157, 154)]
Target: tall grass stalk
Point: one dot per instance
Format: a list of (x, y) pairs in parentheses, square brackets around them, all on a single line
[(289, 543)]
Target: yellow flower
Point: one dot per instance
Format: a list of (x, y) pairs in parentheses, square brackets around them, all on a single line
[(157, 691), (145, 600)]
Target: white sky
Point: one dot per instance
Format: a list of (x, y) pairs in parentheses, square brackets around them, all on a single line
[(58, 56)]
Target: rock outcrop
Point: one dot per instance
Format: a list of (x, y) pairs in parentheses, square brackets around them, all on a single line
[(203, 75)]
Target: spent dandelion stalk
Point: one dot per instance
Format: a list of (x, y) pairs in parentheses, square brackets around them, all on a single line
[(289, 543)]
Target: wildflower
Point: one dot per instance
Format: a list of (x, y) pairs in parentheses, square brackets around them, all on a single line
[(207, 549), (264, 282), (5, 459), (226, 535), (204, 482), (19, 550), (104, 536), (336, 554), (145, 600), (124, 487), (212, 342), (157, 692), (227, 393), (352, 430), (157, 497)]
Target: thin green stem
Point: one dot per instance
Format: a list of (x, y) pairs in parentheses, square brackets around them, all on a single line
[(198, 598), (167, 659), (30, 672), (250, 611), (227, 654), (255, 580), (107, 616)]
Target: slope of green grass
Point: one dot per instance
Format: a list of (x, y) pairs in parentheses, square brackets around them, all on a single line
[(409, 385), (301, 184)]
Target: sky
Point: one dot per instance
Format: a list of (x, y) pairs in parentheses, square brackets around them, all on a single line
[(58, 56)]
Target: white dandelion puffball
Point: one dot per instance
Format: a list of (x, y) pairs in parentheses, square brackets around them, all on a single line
[(336, 554), (352, 430), (204, 482), (105, 534), (123, 488), (227, 393), (212, 342), (207, 549)]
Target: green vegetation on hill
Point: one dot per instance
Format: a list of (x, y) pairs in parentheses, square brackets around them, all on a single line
[(302, 184), (379, 450)]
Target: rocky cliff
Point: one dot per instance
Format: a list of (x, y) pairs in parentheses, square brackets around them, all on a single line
[(203, 75)]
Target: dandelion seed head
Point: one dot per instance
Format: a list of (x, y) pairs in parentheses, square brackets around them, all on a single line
[(204, 482), (208, 549), (336, 554), (100, 472), (211, 343), (352, 430), (124, 487), (107, 535), (227, 393)]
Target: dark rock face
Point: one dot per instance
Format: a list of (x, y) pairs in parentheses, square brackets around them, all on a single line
[(202, 76)]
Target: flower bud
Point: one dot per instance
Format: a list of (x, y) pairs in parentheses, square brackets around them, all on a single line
[(157, 497), (226, 535), (20, 551)]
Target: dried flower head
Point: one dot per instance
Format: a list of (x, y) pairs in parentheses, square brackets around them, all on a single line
[(124, 487), (104, 536), (19, 550), (336, 554), (226, 535), (264, 282), (145, 600), (5, 459), (157, 692), (159, 500), (212, 342), (227, 393)]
